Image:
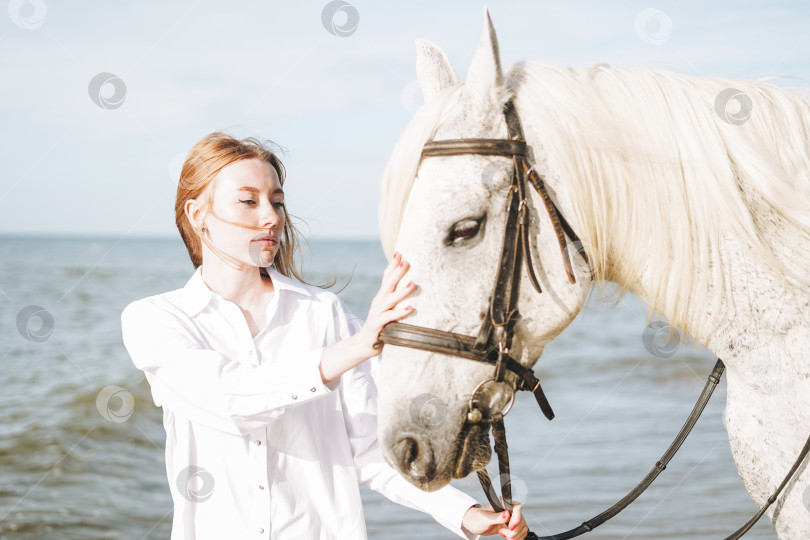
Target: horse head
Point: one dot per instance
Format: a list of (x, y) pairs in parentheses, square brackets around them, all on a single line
[(452, 229)]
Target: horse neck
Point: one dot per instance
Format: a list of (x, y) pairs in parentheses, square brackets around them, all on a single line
[(693, 215), (758, 311)]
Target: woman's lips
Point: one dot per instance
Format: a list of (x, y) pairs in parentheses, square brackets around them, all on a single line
[(267, 241)]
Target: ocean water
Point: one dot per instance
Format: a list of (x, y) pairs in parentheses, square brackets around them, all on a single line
[(70, 468)]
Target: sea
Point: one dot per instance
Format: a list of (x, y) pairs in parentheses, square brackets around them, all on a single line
[(81, 441)]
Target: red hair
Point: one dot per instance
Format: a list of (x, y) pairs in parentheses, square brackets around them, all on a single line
[(205, 160)]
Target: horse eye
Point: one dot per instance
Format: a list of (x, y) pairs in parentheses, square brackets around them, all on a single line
[(464, 230)]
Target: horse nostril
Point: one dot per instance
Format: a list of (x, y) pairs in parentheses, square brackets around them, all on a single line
[(407, 449), (415, 457)]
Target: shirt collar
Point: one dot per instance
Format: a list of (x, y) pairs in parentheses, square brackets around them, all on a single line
[(196, 295)]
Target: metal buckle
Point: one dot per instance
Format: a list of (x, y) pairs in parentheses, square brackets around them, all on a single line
[(474, 414)]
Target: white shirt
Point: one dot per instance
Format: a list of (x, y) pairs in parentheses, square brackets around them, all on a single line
[(257, 447)]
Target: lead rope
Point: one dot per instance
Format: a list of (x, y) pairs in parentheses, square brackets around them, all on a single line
[(747, 527), (502, 451)]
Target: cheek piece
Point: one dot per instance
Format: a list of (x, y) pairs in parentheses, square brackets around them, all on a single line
[(255, 252)]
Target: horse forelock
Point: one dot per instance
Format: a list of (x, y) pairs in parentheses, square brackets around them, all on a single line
[(446, 116)]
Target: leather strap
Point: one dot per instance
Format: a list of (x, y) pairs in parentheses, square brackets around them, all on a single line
[(449, 343), (660, 465), (502, 451), (772, 499), (484, 147), (561, 226)]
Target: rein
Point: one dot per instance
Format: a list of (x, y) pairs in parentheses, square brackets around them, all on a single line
[(491, 344)]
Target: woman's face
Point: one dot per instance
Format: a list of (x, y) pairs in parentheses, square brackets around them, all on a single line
[(247, 192)]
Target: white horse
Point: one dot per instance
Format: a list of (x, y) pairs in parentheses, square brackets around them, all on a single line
[(700, 209)]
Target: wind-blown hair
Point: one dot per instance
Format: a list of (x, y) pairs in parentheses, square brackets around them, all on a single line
[(205, 160), (660, 171)]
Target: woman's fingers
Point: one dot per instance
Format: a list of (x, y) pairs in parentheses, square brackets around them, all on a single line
[(385, 316), (393, 262), (516, 515), (383, 304), (390, 293), (516, 527), (383, 307), (390, 300), (396, 314), (393, 274)]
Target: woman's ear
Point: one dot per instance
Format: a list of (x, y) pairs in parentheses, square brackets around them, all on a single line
[(195, 214)]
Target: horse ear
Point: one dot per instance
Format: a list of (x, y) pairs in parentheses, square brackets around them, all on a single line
[(484, 75), (433, 70)]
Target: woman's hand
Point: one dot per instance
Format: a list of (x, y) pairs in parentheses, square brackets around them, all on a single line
[(485, 521), (344, 355), (382, 311)]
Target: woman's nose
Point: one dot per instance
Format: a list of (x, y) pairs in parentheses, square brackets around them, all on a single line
[(272, 216)]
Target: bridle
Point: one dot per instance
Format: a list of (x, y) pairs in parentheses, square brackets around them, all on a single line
[(492, 343)]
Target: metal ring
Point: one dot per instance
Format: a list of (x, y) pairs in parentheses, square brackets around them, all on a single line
[(508, 406)]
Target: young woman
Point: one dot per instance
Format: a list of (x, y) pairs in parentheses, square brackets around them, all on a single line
[(267, 384)]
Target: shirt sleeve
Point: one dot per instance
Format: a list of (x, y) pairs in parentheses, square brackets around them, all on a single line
[(207, 386), (359, 400)]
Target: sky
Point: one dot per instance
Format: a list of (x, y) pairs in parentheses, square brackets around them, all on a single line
[(100, 101)]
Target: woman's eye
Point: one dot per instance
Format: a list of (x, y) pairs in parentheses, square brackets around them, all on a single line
[(250, 202), (464, 230)]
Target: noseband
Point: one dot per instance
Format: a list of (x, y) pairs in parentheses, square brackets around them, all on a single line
[(491, 344)]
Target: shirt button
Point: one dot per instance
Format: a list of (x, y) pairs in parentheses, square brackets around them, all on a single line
[(294, 396), (258, 443), (312, 389), (261, 486), (261, 531)]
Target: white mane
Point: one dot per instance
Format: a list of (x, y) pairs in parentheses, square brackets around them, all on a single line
[(647, 161)]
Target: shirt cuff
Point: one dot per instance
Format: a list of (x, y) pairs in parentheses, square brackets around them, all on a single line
[(456, 503), (312, 384)]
